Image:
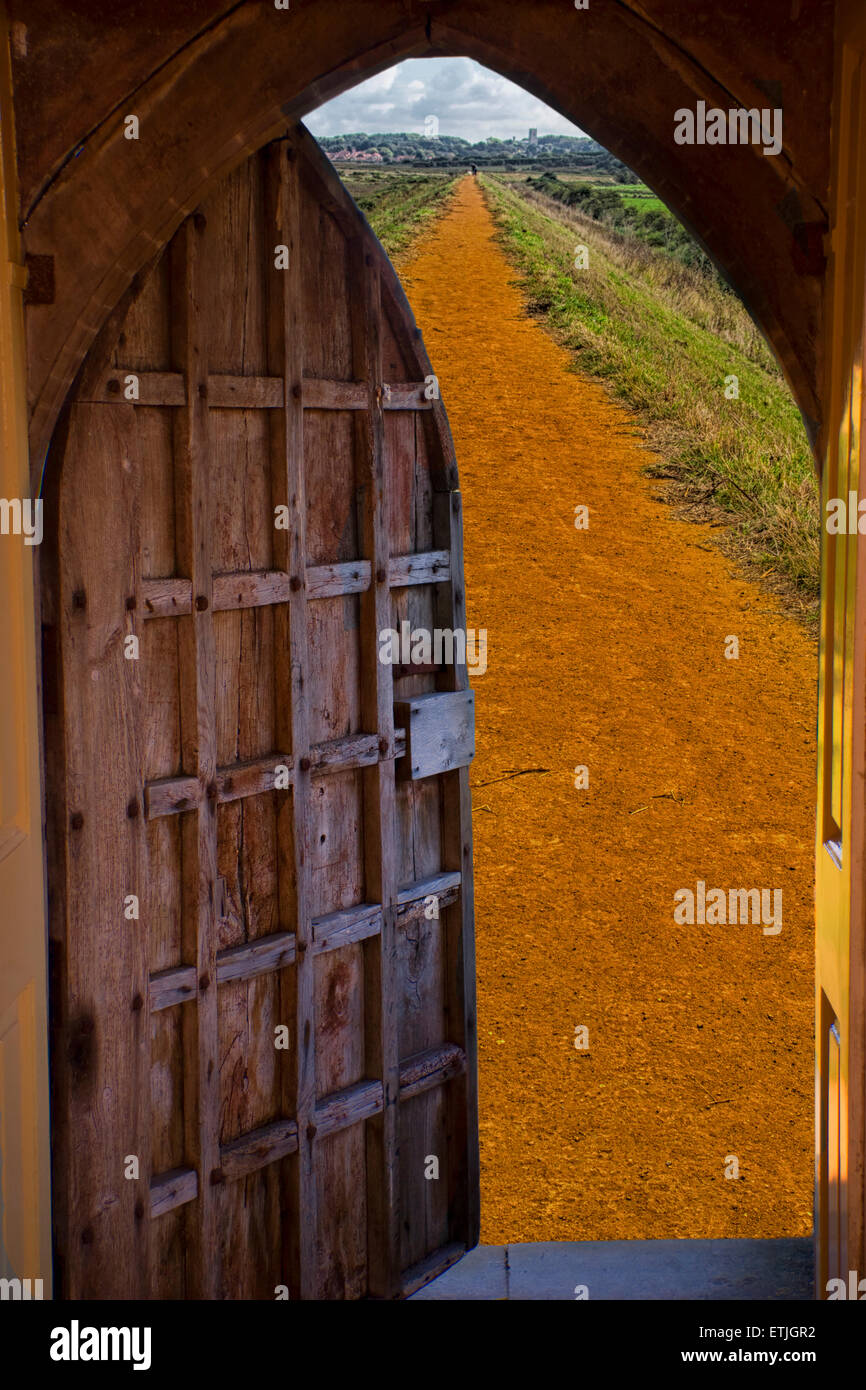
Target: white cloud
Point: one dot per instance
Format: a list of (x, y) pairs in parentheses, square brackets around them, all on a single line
[(469, 100)]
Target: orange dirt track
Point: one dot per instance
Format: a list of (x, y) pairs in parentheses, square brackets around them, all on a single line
[(606, 649)]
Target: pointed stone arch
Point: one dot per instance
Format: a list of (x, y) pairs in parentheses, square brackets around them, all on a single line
[(208, 95)]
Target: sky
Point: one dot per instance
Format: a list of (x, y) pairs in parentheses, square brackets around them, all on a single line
[(468, 99)]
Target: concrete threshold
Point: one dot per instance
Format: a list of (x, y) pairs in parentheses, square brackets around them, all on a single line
[(664, 1270)]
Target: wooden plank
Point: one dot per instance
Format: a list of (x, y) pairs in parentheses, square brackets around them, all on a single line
[(257, 1149), (169, 987), (416, 911), (154, 388), (406, 395), (226, 392), (340, 755), (166, 598), (102, 1038), (167, 389), (431, 1068), (431, 1267), (334, 395), (259, 957), (459, 921), (432, 567), (331, 581), (414, 899), (358, 750), (348, 1107), (244, 392), (380, 812), (438, 884), (198, 742), (281, 425), (441, 732), (170, 796), (288, 488), (337, 863), (172, 1189), (252, 1070), (421, 1025), (350, 924), (249, 589), (425, 1132), (252, 778), (172, 598)]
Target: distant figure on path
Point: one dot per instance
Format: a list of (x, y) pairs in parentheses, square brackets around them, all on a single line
[(474, 169)]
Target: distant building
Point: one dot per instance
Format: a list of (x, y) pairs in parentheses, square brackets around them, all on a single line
[(533, 135), (371, 156)]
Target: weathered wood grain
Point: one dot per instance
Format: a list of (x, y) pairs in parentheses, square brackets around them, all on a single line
[(464, 1175), (432, 567), (287, 353), (431, 1068), (345, 927), (332, 581), (426, 899), (198, 747), (256, 1150), (260, 957), (172, 1189), (334, 395), (224, 392), (440, 732), (330, 907), (169, 796), (405, 395), (380, 812), (166, 598), (102, 1029), (431, 1266), (176, 985), (113, 384), (348, 1107)]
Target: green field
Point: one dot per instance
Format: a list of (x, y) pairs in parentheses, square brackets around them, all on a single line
[(645, 201)]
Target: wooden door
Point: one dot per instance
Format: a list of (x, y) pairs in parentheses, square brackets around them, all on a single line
[(841, 850), (264, 1050), (25, 1223)]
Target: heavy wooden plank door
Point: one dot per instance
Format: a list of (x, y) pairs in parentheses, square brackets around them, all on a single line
[(841, 849), (264, 1052)]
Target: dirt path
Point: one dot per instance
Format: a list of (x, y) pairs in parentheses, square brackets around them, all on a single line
[(606, 648)]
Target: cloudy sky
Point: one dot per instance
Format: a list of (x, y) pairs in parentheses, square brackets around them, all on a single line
[(468, 99)]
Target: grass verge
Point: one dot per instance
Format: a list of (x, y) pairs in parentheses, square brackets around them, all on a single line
[(399, 207), (668, 341)]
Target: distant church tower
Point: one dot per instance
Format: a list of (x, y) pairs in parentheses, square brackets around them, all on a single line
[(533, 135)]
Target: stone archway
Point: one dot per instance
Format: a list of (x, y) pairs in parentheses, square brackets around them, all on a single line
[(219, 80), (210, 90)]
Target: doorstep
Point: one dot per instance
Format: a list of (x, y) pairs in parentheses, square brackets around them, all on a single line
[(753, 1270)]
